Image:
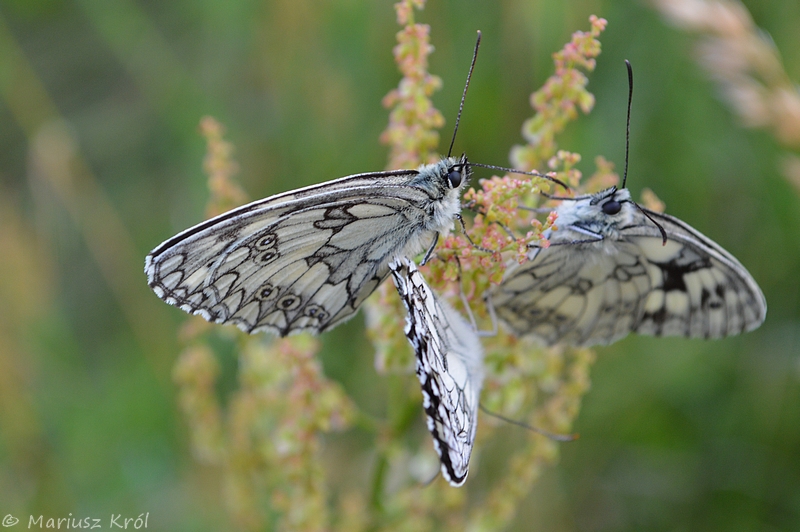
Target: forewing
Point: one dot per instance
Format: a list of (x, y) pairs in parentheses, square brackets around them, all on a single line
[(699, 290), (449, 367), (597, 293), (303, 260), (571, 294)]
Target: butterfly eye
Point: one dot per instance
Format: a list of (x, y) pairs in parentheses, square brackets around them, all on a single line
[(612, 207), (454, 176)]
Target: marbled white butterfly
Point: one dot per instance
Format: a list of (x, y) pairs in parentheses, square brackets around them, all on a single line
[(607, 273), (614, 267), (306, 259)]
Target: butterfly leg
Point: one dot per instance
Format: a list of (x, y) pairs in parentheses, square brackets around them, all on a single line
[(505, 229), (428, 253), (464, 230)]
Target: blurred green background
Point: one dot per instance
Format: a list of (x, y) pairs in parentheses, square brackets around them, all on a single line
[(101, 161)]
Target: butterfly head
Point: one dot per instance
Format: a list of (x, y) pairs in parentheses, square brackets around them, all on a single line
[(614, 203), (440, 179), (455, 177), (611, 200), (602, 213), (443, 183), (611, 206), (458, 172)]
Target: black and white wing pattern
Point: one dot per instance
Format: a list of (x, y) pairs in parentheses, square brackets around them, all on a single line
[(608, 273), (306, 259), (449, 367)]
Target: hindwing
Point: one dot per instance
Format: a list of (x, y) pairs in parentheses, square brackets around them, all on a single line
[(699, 290), (449, 366)]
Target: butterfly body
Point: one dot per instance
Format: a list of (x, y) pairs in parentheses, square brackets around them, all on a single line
[(449, 364), (608, 272), (306, 259)]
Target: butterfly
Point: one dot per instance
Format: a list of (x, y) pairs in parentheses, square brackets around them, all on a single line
[(614, 267), (305, 260), (449, 367)]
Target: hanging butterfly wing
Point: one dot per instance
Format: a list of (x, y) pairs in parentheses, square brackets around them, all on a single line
[(449, 367)]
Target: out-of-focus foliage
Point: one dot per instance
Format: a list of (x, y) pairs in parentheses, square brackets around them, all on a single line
[(101, 160)]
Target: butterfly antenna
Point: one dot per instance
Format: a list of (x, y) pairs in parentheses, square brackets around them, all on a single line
[(515, 171), (564, 198), (458, 121), (464, 94), (548, 434), (627, 150), (661, 229), (628, 122)]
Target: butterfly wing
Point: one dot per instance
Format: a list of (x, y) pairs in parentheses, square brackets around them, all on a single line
[(449, 367), (572, 295), (699, 290), (303, 260), (596, 293)]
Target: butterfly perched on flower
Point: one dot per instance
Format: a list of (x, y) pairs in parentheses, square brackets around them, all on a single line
[(305, 260), (449, 366), (614, 267)]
